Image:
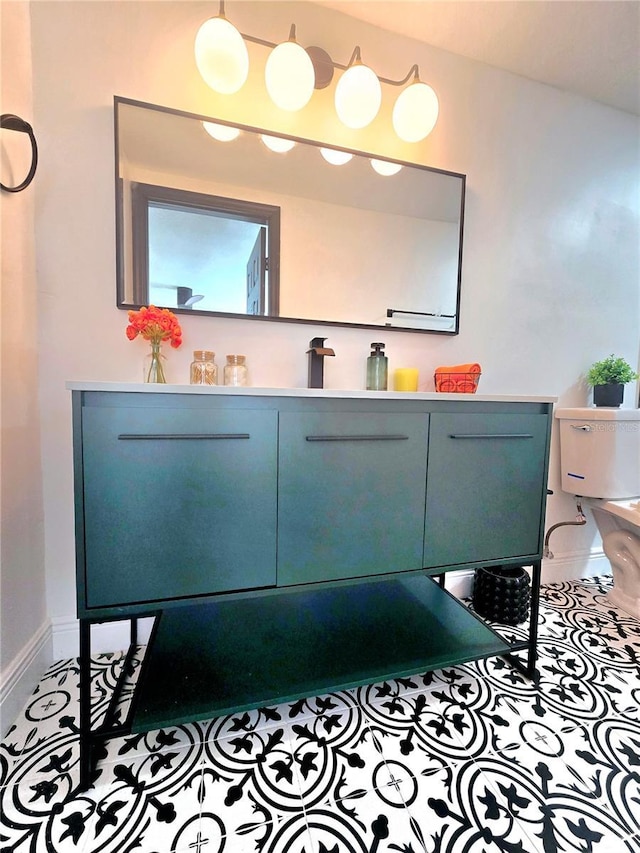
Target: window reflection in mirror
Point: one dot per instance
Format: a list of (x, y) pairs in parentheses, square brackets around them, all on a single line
[(365, 244)]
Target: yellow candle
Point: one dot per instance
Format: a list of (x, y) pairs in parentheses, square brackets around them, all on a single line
[(405, 379)]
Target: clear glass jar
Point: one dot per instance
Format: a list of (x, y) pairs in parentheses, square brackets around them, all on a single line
[(204, 370), (235, 370)]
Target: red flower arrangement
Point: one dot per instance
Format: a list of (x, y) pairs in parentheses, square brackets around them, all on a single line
[(155, 325)]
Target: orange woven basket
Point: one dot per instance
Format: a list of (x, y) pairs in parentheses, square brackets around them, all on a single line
[(457, 383)]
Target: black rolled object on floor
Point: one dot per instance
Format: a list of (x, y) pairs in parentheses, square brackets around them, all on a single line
[(502, 594)]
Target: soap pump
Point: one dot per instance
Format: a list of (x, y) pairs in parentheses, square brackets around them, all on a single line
[(377, 368)]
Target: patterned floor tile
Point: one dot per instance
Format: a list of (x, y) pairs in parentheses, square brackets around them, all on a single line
[(552, 818), (474, 758), (459, 808), (288, 835), (278, 715), (124, 801), (151, 743), (612, 749), (249, 780), (376, 819), (54, 697), (320, 706), (382, 692), (336, 757), (158, 816)]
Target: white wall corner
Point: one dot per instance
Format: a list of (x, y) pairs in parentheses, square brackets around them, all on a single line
[(19, 679)]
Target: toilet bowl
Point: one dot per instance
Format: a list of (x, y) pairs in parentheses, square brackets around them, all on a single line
[(621, 545), (600, 461)]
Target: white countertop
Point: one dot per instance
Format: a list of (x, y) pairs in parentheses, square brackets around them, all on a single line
[(327, 393)]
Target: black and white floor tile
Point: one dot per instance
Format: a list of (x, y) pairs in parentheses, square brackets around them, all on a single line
[(471, 759)]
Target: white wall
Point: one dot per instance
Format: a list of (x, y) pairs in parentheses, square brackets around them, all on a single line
[(550, 270), (24, 627)]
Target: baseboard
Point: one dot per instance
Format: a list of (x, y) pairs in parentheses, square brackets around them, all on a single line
[(114, 636), (105, 637), (569, 566), (574, 565), (20, 677)]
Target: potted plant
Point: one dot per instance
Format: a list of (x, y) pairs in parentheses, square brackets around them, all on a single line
[(608, 378)]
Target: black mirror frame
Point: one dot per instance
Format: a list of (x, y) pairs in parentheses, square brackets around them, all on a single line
[(120, 303)]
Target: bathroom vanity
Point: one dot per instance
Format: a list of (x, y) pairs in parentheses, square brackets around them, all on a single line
[(294, 542)]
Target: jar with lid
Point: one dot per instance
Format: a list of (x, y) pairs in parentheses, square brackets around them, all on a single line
[(204, 370), (235, 370)]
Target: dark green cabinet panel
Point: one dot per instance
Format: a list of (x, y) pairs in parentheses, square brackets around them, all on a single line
[(486, 487), (351, 494), (177, 502)]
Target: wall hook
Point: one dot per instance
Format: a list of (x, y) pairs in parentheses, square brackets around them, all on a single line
[(11, 122)]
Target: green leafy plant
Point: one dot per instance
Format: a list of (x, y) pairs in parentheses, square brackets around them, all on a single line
[(610, 370)]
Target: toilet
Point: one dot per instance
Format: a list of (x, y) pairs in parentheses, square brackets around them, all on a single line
[(600, 461)]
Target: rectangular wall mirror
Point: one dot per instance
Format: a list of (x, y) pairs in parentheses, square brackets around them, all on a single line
[(236, 229)]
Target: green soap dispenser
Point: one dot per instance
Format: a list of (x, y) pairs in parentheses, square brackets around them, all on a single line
[(377, 369)]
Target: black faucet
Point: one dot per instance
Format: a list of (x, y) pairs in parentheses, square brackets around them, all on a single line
[(317, 352)]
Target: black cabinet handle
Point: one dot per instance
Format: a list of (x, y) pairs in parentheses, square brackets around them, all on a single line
[(188, 436), (357, 438), (492, 435)]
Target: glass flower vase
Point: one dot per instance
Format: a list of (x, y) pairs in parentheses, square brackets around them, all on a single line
[(155, 365)]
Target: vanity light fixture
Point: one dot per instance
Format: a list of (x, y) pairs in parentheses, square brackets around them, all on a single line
[(289, 75), (221, 132), (415, 111), (221, 55), (292, 72), (358, 94), (336, 158), (385, 168), (277, 144)]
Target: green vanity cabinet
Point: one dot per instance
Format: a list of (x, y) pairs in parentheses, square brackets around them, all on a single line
[(294, 543), (486, 487), (351, 494), (176, 502)]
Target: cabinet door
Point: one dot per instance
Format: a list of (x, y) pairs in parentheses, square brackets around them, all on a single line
[(351, 494), (486, 487), (177, 502)]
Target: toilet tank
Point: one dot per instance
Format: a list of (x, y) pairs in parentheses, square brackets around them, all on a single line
[(600, 452)]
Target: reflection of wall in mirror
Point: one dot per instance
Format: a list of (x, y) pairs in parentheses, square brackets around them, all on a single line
[(362, 252), (335, 264)]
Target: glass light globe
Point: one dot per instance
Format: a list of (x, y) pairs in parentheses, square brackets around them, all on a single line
[(415, 112), (221, 56), (221, 132), (277, 143), (289, 76), (336, 158), (358, 96), (383, 167)]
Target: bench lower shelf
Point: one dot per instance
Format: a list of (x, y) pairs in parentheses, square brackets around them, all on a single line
[(227, 656)]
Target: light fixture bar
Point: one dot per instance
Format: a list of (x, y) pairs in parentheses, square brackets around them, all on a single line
[(292, 72), (355, 56), (413, 71)]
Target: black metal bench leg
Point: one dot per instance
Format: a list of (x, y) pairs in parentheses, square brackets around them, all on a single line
[(86, 750), (534, 615)]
